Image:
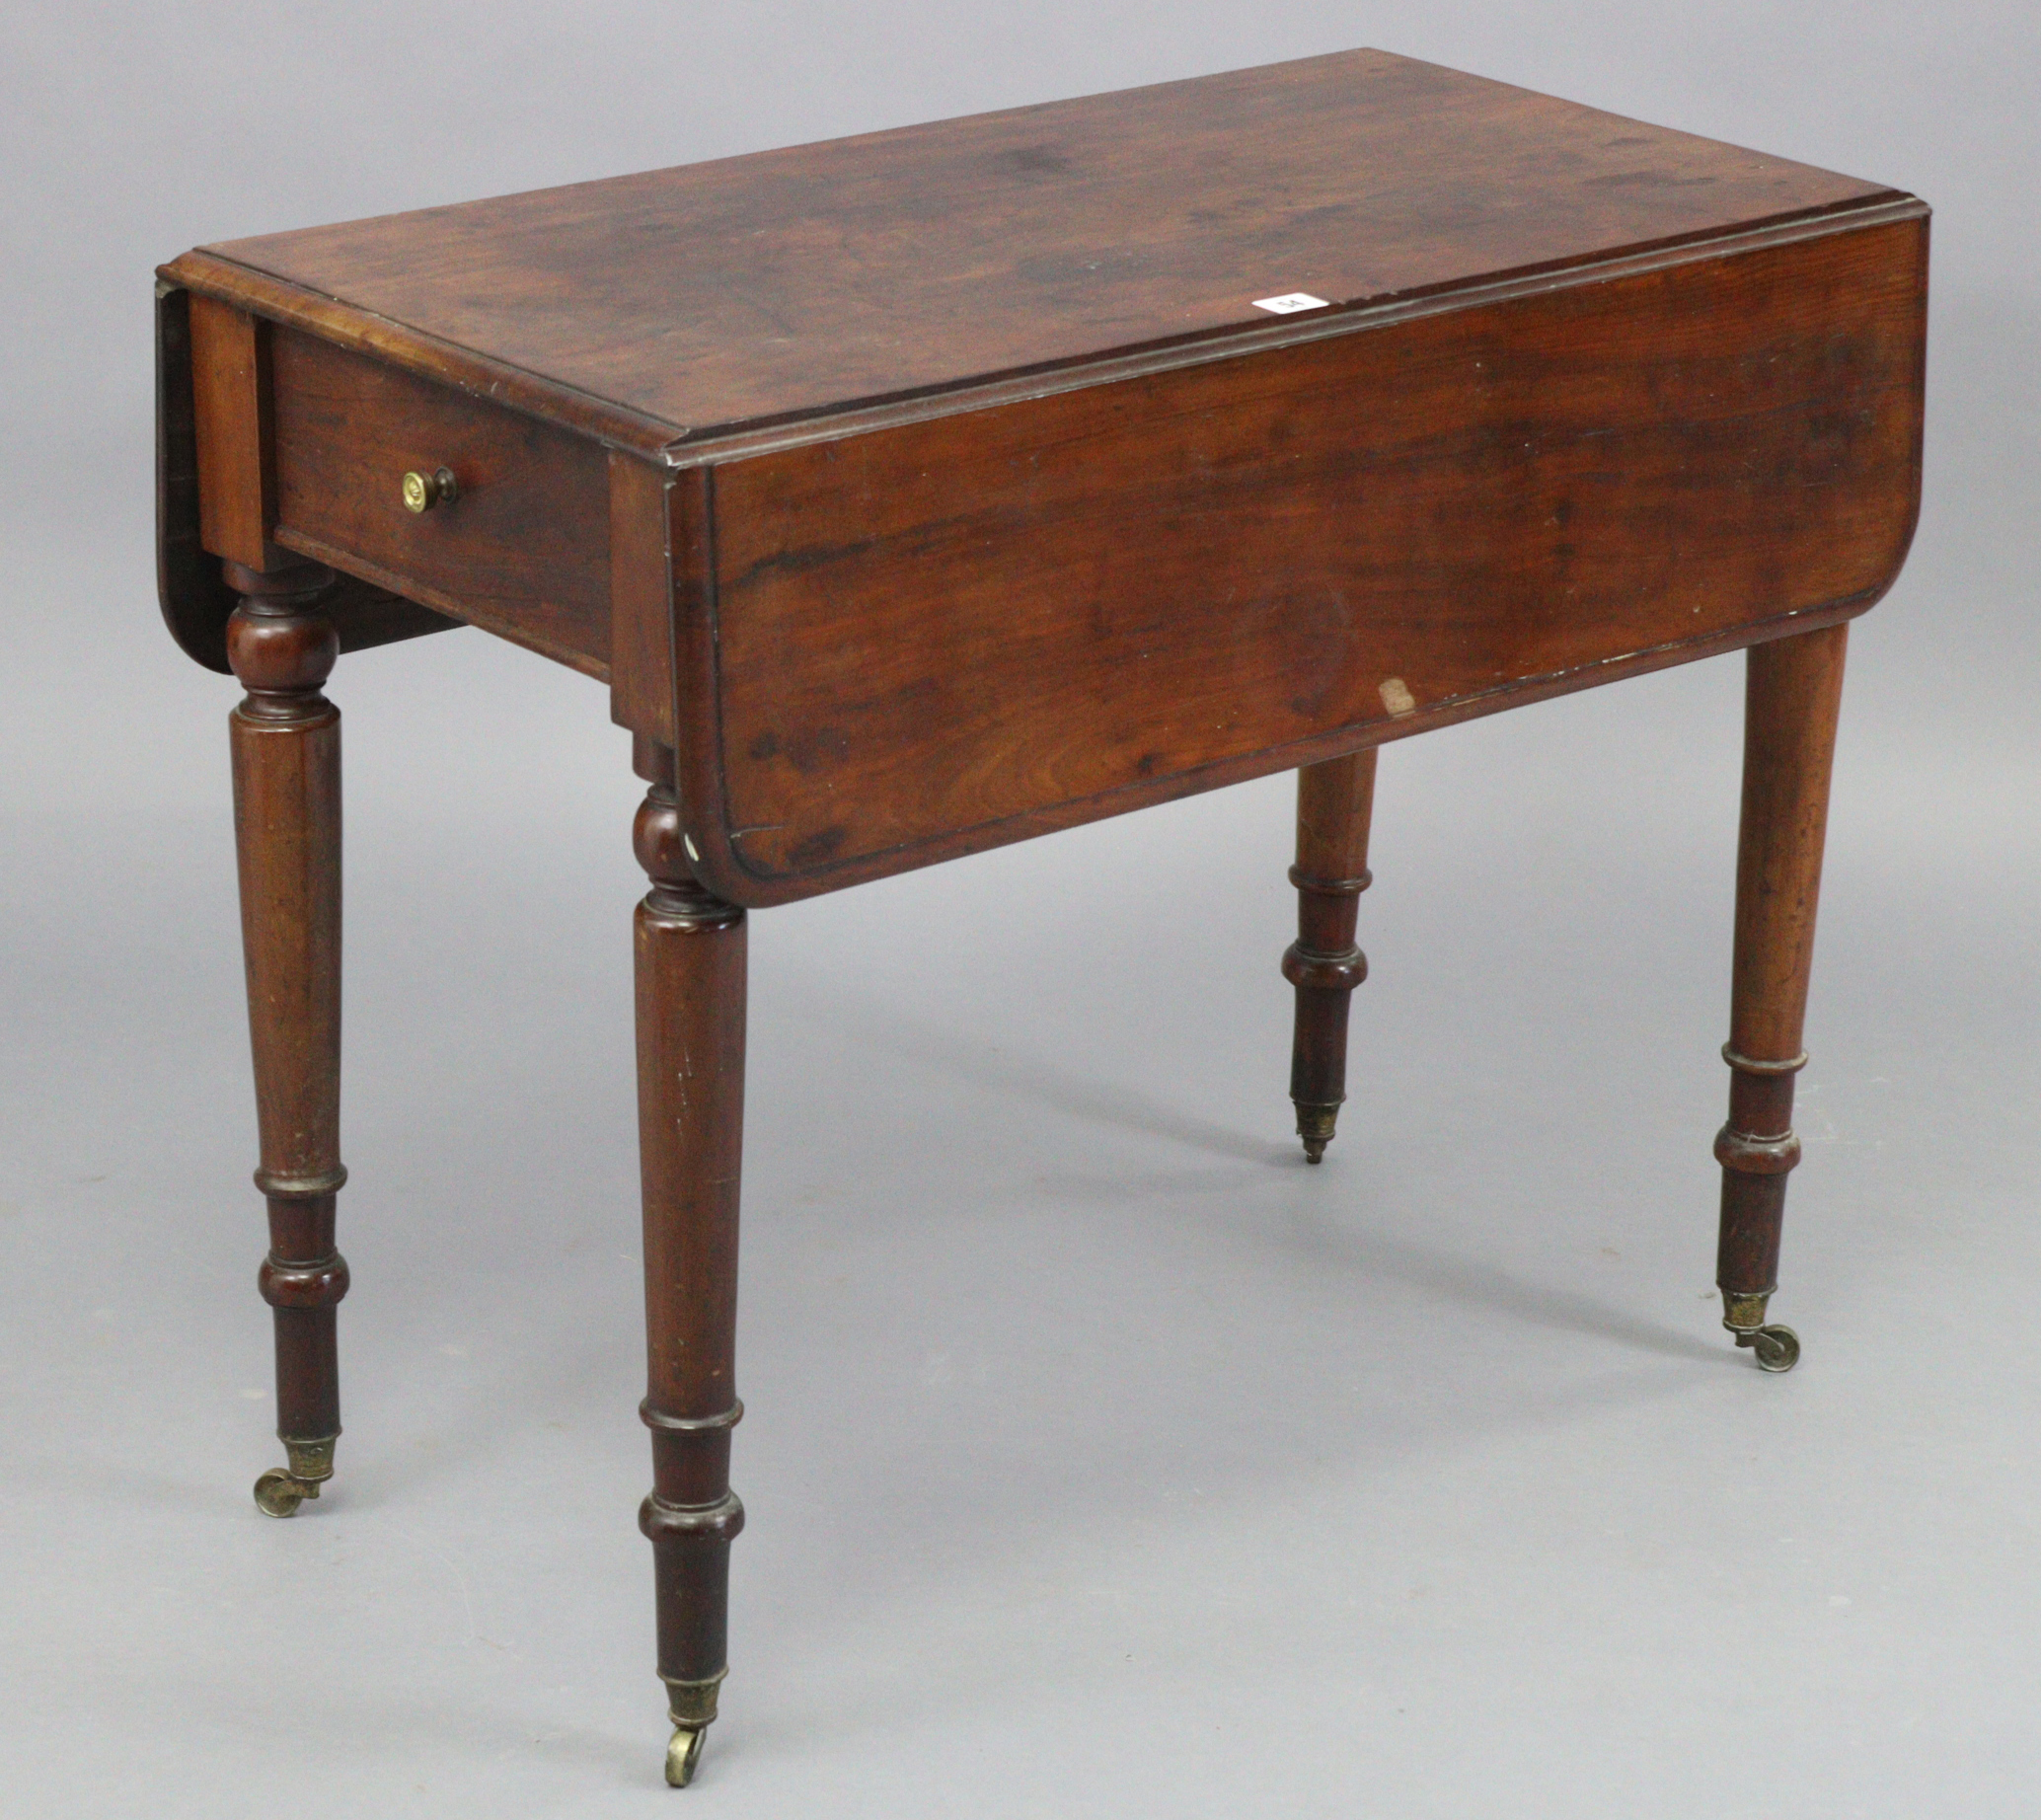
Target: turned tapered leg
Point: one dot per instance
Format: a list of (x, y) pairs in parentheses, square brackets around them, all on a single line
[(691, 1135), (286, 743), (1793, 694), (1334, 803)]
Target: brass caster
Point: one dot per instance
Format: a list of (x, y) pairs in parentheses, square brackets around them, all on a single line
[(277, 1495), (1778, 1348), (280, 1490), (1315, 1126), (683, 1752), (691, 1706)]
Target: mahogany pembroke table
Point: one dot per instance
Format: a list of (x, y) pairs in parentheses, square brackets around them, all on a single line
[(935, 489)]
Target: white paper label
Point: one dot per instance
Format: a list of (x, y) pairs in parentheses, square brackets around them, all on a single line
[(1290, 302)]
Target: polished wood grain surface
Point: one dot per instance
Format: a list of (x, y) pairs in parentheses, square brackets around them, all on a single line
[(231, 393), (286, 738), (927, 491), (1157, 465), (193, 593), (1335, 804), (523, 552), (640, 599), (691, 960), (817, 278), (947, 634), (1792, 699)]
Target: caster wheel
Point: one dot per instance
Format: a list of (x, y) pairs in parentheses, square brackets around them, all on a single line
[(277, 1495), (682, 1754), (1778, 1348)]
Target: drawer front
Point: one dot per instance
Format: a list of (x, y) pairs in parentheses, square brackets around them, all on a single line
[(522, 549), (951, 633)]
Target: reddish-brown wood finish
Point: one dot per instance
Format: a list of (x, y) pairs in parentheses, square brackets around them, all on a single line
[(231, 396), (1794, 696), (195, 599), (691, 989), (522, 550), (1019, 512), (287, 749), (947, 635), (641, 599), (685, 304), (1335, 800), (924, 492)]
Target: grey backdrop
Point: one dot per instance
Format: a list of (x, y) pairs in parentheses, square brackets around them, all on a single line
[(1101, 1459)]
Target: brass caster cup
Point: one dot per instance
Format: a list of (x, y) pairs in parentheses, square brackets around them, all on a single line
[(691, 1706), (1778, 1348), (280, 1490), (683, 1753), (1315, 1126), (277, 1495)]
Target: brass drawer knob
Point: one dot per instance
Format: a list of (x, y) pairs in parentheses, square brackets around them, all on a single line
[(422, 491)]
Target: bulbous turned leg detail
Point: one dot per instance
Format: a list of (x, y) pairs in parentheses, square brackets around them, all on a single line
[(1335, 802), (691, 991), (1793, 696), (286, 748)]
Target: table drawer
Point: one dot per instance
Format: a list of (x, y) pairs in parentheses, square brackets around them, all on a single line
[(522, 549)]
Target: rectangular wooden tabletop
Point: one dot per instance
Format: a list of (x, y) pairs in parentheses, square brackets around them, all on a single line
[(682, 305), (929, 489)]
